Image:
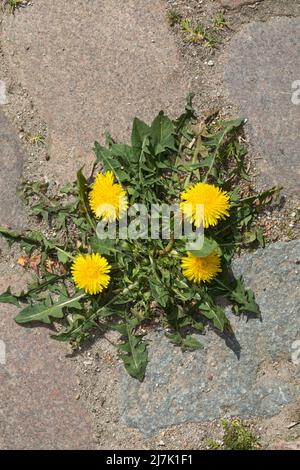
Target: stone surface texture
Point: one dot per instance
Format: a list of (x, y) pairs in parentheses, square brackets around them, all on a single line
[(262, 65), (91, 67), (38, 406), (250, 375), (11, 163), (237, 3), (87, 67)]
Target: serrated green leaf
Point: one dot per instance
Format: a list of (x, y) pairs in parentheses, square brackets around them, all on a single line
[(43, 311), (188, 115), (162, 134), (249, 237), (104, 247), (175, 338), (134, 352), (109, 162), (140, 130), (27, 239), (103, 155), (244, 298), (74, 331), (159, 292), (125, 153), (190, 342), (227, 127), (216, 314), (8, 298), (35, 288)]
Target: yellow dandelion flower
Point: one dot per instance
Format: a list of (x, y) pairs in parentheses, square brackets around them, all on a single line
[(198, 269), (91, 273), (215, 204), (108, 199)]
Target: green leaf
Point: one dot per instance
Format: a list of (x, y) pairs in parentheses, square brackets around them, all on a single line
[(249, 237), (227, 127), (260, 237), (8, 298), (133, 350), (190, 342), (208, 247), (244, 298), (162, 130), (216, 314), (104, 247), (175, 338), (83, 195), (61, 256), (188, 115), (125, 153), (27, 239), (198, 325), (103, 155), (217, 140), (159, 292), (77, 329), (43, 311), (140, 130), (109, 140), (49, 280), (109, 162), (185, 342)]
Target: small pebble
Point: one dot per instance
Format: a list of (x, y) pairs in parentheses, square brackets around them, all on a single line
[(210, 63)]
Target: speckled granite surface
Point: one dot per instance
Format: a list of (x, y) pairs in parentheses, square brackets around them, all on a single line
[(252, 375), (262, 64), (11, 163), (91, 67)]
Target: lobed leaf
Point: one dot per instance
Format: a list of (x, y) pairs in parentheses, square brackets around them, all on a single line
[(43, 311)]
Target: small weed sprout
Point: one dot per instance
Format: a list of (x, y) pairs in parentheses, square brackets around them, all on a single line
[(35, 139), (15, 4), (237, 436), (173, 17), (198, 33), (219, 21)]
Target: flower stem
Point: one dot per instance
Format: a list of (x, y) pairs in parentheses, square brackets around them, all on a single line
[(168, 248), (194, 160), (63, 252)]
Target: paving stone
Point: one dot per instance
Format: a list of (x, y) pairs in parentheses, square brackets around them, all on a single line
[(250, 375), (88, 67), (263, 64), (91, 67), (38, 406), (11, 163)]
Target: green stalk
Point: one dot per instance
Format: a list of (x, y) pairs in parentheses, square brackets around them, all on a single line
[(168, 248), (194, 160), (63, 252)]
